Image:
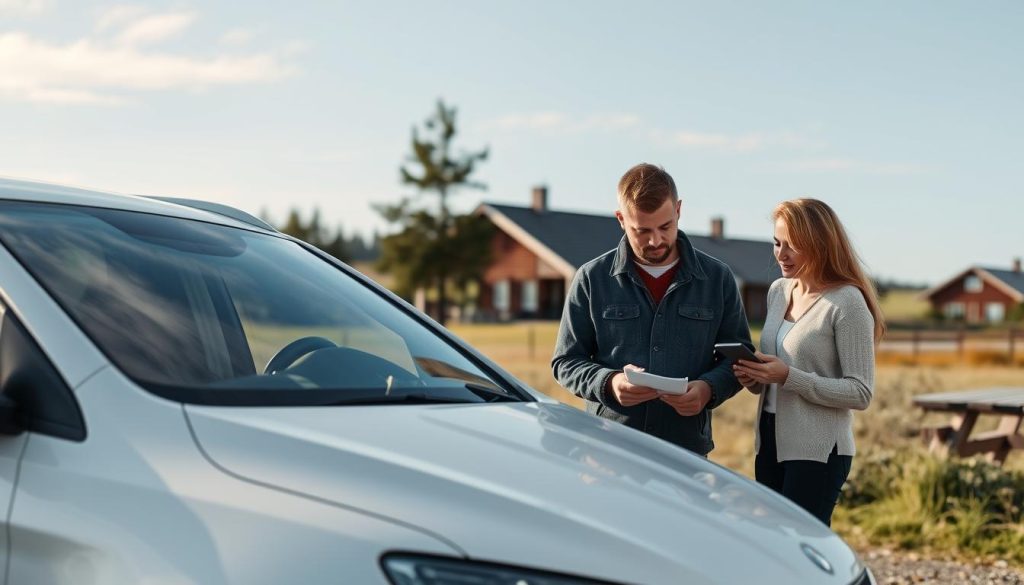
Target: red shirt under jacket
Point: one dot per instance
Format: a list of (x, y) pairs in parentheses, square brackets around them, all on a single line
[(658, 286)]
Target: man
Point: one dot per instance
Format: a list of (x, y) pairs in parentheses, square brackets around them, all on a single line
[(655, 303)]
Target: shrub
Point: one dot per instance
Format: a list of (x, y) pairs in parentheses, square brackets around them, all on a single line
[(872, 478), (915, 500), (943, 484)]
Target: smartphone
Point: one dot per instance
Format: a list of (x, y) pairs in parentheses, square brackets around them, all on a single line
[(736, 351)]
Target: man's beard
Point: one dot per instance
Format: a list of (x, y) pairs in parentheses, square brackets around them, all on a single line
[(656, 255)]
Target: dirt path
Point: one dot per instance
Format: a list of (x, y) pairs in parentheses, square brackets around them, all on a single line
[(898, 568)]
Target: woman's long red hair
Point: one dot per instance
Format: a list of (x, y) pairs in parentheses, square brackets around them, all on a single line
[(815, 231)]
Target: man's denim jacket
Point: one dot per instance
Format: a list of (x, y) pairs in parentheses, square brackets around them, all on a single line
[(610, 320)]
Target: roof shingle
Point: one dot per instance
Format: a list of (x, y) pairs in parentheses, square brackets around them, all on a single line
[(581, 237), (1013, 279)]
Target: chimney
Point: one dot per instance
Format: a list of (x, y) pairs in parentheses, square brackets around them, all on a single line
[(718, 228), (539, 202), (1016, 264)]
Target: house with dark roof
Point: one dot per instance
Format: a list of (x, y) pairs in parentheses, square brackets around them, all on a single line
[(979, 294), (536, 252)]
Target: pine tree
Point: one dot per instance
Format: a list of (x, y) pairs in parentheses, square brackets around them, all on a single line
[(313, 233), (430, 250)]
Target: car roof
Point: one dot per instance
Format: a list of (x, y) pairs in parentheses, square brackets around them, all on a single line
[(40, 192)]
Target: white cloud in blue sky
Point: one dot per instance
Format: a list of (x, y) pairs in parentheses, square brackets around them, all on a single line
[(22, 8), (905, 117), (124, 53)]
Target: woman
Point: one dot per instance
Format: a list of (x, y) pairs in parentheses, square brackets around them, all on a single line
[(817, 349)]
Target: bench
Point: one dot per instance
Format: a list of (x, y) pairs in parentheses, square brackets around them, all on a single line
[(966, 407)]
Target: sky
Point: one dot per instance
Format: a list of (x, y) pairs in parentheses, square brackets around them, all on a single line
[(907, 117)]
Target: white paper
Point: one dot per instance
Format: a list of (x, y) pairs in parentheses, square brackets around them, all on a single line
[(659, 383)]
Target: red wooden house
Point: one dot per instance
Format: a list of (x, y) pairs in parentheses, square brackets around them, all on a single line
[(536, 252), (979, 294)]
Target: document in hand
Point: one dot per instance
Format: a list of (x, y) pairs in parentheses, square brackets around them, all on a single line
[(659, 383)]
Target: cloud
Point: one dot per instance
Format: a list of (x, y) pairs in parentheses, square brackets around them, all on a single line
[(563, 123), (104, 68), (738, 143), (155, 28), (70, 96), (119, 15), (534, 121), (239, 36), (743, 143), (845, 164), (11, 8), (609, 122), (344, 155), (296, 47)]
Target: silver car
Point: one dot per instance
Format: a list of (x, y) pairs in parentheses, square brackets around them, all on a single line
[(189, 396)]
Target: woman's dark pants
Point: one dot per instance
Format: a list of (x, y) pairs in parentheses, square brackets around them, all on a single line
[(812, 485)]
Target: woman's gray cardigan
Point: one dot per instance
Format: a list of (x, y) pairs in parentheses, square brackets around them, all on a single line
[(831, 356)]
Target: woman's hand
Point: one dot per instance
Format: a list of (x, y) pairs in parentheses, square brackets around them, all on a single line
[(771, 371)]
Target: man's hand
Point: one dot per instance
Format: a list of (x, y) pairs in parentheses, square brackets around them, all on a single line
[(628, 394), (747, 382), (697, 396)]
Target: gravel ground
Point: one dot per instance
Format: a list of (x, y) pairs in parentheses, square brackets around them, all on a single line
[(895, 568)]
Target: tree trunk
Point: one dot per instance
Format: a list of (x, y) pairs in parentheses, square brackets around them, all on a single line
[(442, 293), (442, 298)]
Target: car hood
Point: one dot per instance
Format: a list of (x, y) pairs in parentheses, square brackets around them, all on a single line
[(531, 484)]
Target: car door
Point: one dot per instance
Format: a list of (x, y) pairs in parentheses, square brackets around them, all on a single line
[(11, 449), (34, 334)]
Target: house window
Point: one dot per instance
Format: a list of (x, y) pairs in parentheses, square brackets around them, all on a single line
[(973, 284), (530, 296), (501, 295), (954, 311), (995, 312)]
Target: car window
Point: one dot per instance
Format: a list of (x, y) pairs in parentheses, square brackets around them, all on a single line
[(201, 312)]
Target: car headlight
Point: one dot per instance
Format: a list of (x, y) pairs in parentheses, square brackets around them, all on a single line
[(863, 573), (865, 578), (403, 569)]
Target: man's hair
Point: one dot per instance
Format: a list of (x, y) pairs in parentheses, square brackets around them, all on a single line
[(646, 187)]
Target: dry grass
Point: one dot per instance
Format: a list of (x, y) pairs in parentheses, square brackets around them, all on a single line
[(944, 360), (904, 304), (370, 269), (524, 349), (891, 421)]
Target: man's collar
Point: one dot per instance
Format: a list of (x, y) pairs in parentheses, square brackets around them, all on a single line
[(687, 258)]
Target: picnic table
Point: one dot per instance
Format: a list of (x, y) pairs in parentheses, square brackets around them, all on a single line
[(966, 407)]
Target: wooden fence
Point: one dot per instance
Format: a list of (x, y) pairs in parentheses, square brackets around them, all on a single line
[(914, 342)]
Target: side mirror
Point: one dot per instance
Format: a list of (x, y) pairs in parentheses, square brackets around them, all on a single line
[(33, 395), (10, 421)]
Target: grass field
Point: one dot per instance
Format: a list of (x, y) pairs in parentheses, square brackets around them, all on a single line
[(904, 305)]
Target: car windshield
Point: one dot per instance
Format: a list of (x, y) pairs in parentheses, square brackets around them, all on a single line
[(199, 312)]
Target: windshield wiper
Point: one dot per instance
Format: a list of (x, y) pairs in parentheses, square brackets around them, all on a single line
[(490, 394), (484, 393), (414, 398)]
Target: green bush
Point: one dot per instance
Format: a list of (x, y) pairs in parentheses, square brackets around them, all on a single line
[(942, 483), (915, 500), (872, 478), (1001, 492)]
